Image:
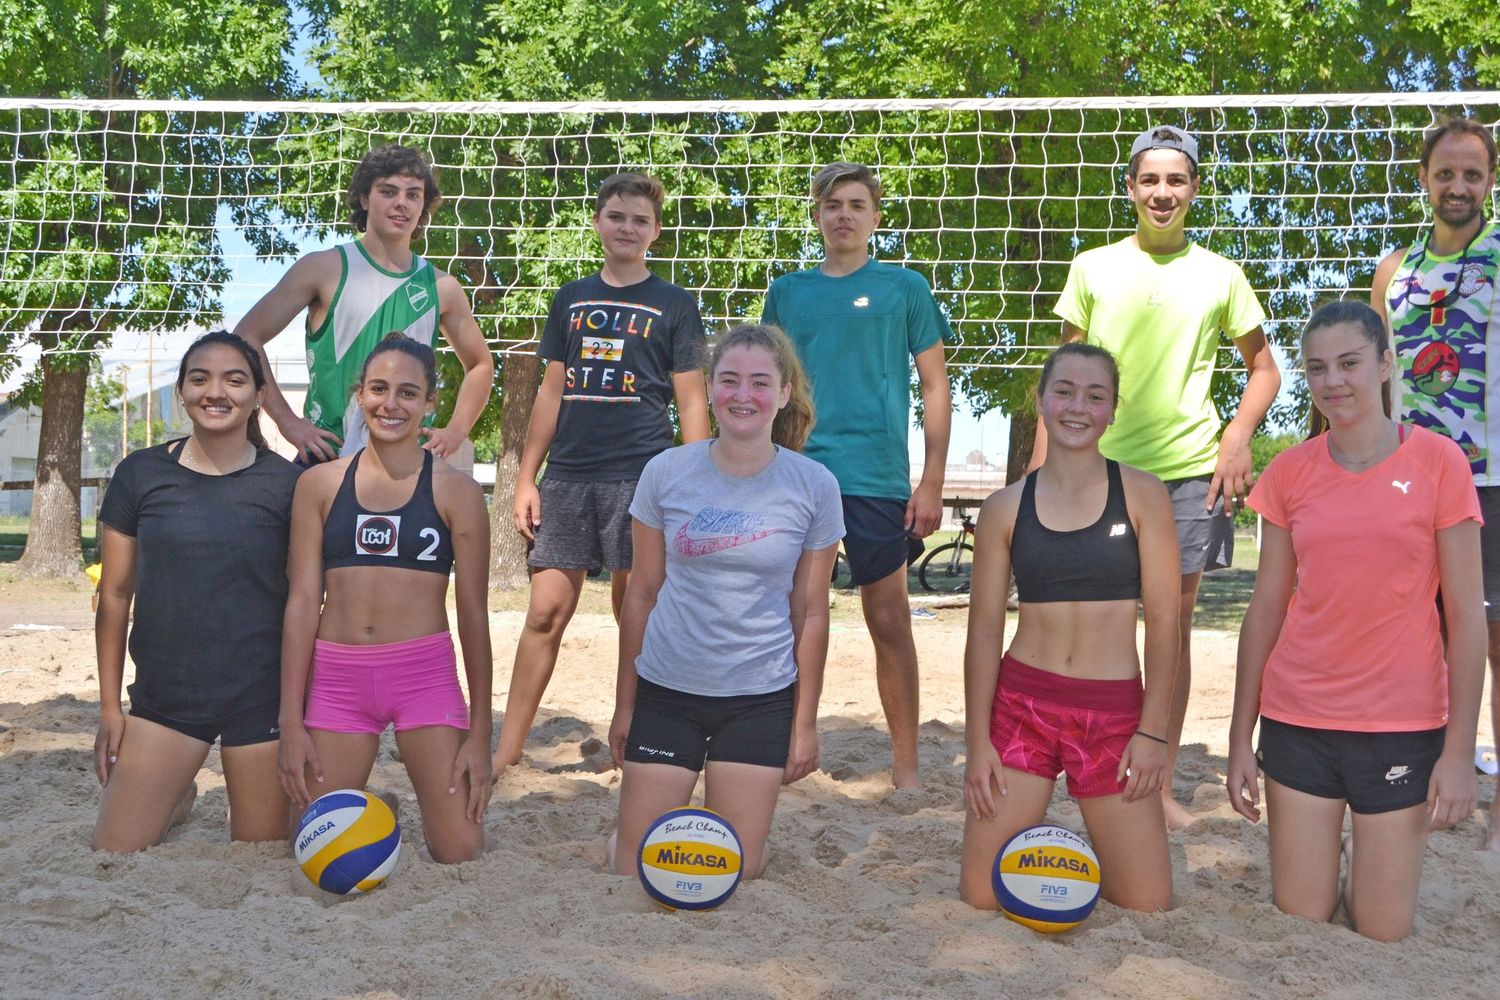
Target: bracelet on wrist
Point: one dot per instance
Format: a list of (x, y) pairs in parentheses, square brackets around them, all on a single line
[(1158, 739)]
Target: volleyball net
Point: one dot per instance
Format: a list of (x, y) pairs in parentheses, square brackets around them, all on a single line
[(151, 216)]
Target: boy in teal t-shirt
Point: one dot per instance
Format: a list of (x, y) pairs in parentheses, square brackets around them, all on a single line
[(858, 325), (1159, 303)]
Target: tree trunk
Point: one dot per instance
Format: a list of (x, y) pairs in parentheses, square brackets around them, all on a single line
[(520, 374), (53, 548), (1022, 437)]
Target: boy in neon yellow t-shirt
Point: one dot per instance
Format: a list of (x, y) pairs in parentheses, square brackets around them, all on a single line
[(1159, 303)]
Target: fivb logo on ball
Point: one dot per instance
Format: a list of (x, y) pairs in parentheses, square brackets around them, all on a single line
[(376, 534)]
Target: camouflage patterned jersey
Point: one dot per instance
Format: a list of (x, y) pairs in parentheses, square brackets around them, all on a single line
[(1443, 321)]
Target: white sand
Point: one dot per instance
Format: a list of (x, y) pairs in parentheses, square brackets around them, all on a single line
[(860, 899)]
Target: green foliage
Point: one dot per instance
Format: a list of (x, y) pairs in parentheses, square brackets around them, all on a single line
[(1039, 48), (963, 187), (1472, 30), (119, 209), (741, 218), (1263, 448)]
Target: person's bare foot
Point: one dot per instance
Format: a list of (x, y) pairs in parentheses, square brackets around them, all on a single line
[(906, 777), (1178, 818), (184, 806)]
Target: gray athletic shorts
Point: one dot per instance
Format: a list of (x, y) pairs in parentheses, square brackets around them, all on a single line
[(1206, 539), (1489, 549), (584, 526)]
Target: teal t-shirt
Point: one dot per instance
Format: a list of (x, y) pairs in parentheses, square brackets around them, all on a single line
[(856, 335)]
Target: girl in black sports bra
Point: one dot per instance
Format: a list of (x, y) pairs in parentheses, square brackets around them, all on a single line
[(373, 538), (1090, 542)]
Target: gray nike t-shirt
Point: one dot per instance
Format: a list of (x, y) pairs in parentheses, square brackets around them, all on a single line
[(722, 622)]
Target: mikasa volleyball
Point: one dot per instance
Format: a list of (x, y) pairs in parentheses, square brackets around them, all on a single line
[(690, 859), (1047, 878), (348, 841)]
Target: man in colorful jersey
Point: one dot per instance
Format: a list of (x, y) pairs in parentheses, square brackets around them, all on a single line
[(356, 293), (860, 325), (1439, 300), (1160, 303), (620, 345)]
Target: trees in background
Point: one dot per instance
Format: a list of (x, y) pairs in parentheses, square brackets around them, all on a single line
[(513, 235), (118, 212)]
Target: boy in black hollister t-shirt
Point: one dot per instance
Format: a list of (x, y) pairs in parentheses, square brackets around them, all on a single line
[(620, 345)]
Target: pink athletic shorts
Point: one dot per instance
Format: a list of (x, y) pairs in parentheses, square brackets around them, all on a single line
[(363, 689), (1044, 723)]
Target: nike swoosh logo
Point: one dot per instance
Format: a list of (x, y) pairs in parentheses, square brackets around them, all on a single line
[(690, 546)]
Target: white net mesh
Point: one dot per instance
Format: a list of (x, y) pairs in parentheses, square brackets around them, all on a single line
[(141, 216)]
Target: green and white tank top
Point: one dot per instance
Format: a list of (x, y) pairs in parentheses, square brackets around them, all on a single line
[(369, 303), (1444, 329)]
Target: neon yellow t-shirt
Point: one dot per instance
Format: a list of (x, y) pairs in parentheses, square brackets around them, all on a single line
[(1160, 316)]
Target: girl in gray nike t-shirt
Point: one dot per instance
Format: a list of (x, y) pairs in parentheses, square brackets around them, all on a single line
[(724, 629)]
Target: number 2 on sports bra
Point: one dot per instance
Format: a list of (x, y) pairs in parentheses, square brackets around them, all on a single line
[(428, 553)]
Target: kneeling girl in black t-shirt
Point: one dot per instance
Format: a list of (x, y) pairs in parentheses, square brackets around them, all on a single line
[(194, 531)]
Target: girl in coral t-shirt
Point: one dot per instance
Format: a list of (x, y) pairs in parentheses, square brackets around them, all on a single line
[(1341, 654)]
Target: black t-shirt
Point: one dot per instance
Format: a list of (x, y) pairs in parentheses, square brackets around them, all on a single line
[(621, 347), (210, 580)]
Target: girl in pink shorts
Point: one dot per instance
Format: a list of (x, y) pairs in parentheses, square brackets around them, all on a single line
[(1090, 542), (374, 536)]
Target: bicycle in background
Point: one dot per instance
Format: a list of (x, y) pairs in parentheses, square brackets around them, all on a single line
[(949, 568)]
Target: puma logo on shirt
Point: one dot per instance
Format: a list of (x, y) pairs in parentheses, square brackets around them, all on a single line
[(1403, 487)]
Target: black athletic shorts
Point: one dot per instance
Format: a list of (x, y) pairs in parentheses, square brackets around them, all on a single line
[(1373, 772), (673, 727), (874, 538), (257, 724), (1489, 549)]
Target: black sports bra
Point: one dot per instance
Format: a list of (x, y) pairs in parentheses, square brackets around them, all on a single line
[(413, 536), (1099, 563)]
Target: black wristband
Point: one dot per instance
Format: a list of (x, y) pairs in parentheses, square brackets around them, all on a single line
[(1142, 732)]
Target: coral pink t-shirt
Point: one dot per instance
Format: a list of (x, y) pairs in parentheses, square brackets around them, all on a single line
[(1360, 648)]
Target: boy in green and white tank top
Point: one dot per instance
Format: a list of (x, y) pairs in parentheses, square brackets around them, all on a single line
[(358, 292), (369, 302)]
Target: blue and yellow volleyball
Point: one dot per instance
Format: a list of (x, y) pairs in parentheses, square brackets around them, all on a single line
[(1047, 878), (347, 841), (690, 859)]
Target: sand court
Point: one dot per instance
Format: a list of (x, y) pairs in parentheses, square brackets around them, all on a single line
[(860, 899)]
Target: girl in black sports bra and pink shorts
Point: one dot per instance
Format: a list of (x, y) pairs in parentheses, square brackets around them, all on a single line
[(373, 538), (1090, 542)]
